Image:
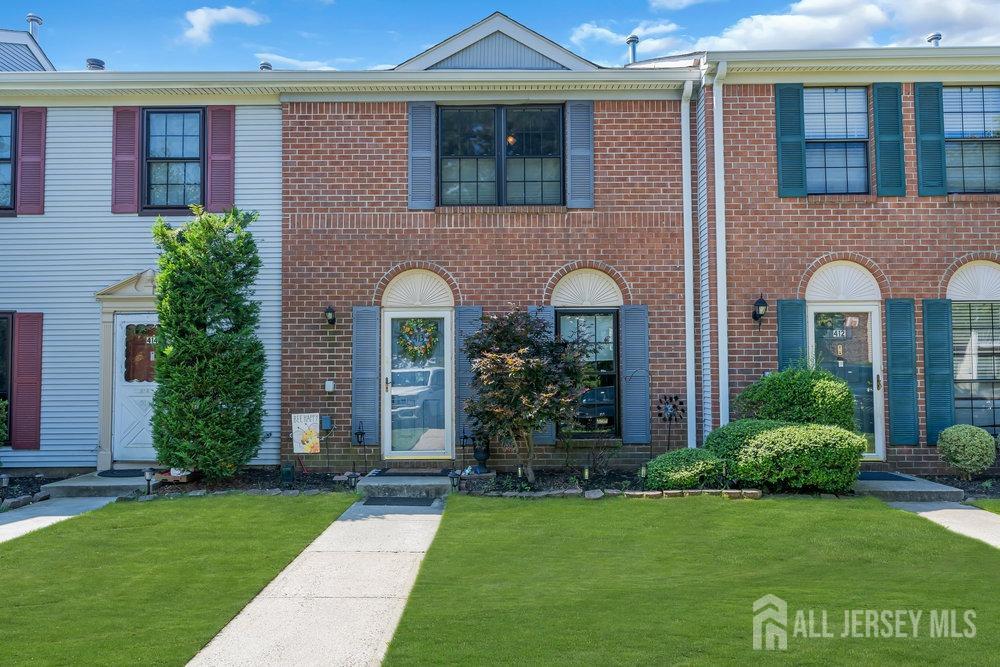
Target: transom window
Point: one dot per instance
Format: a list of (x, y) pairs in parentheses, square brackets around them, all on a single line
[(6, 340), (598, 412), (836, 132), (972, 138), (7, 128), (976, 349), (174, 157), (511, 155)]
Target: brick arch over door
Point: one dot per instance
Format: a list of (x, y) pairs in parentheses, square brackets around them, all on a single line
[(402, 267), (596, 265), (960, 262), (883, 281)]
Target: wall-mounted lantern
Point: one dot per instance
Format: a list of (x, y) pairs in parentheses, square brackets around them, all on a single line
[(331, 315), (759, 310)]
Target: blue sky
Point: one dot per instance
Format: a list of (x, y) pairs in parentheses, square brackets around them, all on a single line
[(355, 34)]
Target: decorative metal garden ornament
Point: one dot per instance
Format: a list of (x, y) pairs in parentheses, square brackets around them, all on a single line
[(672, 411)]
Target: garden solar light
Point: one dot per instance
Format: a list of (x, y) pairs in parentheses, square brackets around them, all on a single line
[(4, 482), (642, 471), (586, 473), (456, 477), (352, 479), (520, 471), (148, 474)]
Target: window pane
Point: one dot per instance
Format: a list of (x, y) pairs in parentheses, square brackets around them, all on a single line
[(976, 350), (972, 112), (6, 134), (158, 195), (837, 167), (140, 353), (836, 113), (597, 415), (533, 149), (5, 173), (468, 174), (450, 170)]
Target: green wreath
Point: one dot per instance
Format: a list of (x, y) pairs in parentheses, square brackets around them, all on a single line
[(417, 338)]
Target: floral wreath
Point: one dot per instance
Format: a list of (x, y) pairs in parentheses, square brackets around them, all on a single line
[(417, 338)]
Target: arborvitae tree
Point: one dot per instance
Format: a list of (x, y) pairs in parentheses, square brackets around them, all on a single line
[(209, 402)]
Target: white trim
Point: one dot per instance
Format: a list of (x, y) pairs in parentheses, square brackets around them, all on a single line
[(721, 257), (586, 288), (496, 22), (874, 308), (118, 413), (842, 281), (978, 280), (689, 346), (418, 288), (448, 315)]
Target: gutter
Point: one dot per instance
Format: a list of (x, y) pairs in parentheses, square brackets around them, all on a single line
[(689, 341), (721, 288)]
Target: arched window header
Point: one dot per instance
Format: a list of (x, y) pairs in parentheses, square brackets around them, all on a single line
[(418, 288), (975, 281), (587, 288), (843, 281)]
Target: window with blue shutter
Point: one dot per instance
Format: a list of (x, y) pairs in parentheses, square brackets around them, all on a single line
[(580, 147), (597, 415), (901, 346), (365, 376), (791, 140), (929, 113), (468, 320), (890, 172), (792, 345), (635, 375), (939, 376), (547, 314), (422, 190)]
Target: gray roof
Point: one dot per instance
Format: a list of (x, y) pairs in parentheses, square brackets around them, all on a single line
[(18, 58)]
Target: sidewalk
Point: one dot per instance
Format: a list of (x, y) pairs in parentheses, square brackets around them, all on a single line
[(962, 519), (16, 523), (339, 601)]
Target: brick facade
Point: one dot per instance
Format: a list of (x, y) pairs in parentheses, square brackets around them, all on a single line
[(347, 231)]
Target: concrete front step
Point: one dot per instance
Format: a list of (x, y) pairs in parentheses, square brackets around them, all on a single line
[(909, 489), (404, 486), (92, 486)]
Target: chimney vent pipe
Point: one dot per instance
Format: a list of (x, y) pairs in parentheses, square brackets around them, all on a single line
[(632, 41)]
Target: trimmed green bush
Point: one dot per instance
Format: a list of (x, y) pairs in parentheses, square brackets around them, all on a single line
[(801, 457), (727, 441), (967, 448), (801, 395), (684, 469), (3, 421)]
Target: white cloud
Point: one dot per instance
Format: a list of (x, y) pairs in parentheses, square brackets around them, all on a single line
[(655, 36), (382, 67), (673, 4), (293, 63), (201, 21)]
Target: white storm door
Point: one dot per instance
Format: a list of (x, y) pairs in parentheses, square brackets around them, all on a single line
[(135, 345)]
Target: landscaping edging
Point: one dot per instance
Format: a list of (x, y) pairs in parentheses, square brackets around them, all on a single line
[(597, 494), (200, 493), (22, 501)]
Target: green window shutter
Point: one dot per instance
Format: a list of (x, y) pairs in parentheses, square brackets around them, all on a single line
[(929, 114), (901, 345), (468, 320), (634, 374), (792, 346), (547, 314), (939, 373), (889, 162), (791, 139), (366, 384), (422, 186)]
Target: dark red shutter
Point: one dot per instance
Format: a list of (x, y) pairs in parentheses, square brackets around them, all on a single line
[(220, 187), (30, 174), (26, 394), (125, 160)]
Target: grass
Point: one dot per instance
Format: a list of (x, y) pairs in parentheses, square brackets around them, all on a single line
[(147, 583), (637, 582), (991, 505)]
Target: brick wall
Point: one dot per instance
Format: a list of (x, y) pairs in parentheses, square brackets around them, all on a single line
[(346, 230), (912, 244)]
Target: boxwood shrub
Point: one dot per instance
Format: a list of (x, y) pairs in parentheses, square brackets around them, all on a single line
[(727, 441), (684, 469), (967, 448), (801, 457), (801, 395)]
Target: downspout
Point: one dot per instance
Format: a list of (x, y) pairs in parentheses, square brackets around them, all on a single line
[(689, 367), (722, 297)]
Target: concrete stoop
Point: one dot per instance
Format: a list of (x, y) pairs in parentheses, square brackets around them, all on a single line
[(908, 489), (403, 486), (92, 486)]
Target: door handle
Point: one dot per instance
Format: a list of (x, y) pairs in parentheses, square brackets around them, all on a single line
[(388, 383)]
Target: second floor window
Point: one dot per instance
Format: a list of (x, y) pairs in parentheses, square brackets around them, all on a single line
[(972, 138), (174, 155), (511, 155), (836, 133), (7, 159)]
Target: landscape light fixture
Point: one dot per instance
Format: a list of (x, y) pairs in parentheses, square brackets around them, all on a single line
[(4, 483), (586, 473), (148, 474)]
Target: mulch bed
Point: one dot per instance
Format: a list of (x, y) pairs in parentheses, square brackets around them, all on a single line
[(27, 486), (980, 487), (258, 478), (548, 479)]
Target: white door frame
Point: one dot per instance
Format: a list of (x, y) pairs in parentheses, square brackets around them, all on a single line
[(874, 309), (122, 320), (448, 314)]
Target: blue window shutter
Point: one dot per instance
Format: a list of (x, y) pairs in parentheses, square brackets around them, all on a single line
[(468, 320), (365, 377), (547, 314), (422, 190), (939, 374), (792, 346), (580, 151), (901, 345), (889, 163), (929, 113), (634, 380), (791, 133)]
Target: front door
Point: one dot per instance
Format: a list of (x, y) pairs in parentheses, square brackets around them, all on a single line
[(845, 340), (417, 385), (135, 345)]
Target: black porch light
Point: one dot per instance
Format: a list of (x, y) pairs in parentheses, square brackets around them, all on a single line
[(759, 310), (331, 315), (148, 474)]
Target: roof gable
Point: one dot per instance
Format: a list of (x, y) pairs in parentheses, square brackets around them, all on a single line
[(19, 52), (497, 42)]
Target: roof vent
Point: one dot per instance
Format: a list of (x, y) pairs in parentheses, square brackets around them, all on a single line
[(34, 21), (632, 41), (95, 64), (934, 39), (264, 66)]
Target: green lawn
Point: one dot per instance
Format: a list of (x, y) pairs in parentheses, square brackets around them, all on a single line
[(147, 583), (991, 505), (640, 582)]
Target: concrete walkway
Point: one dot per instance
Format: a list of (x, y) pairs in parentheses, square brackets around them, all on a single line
[(962, 519), (339, 601), (16, 523)]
